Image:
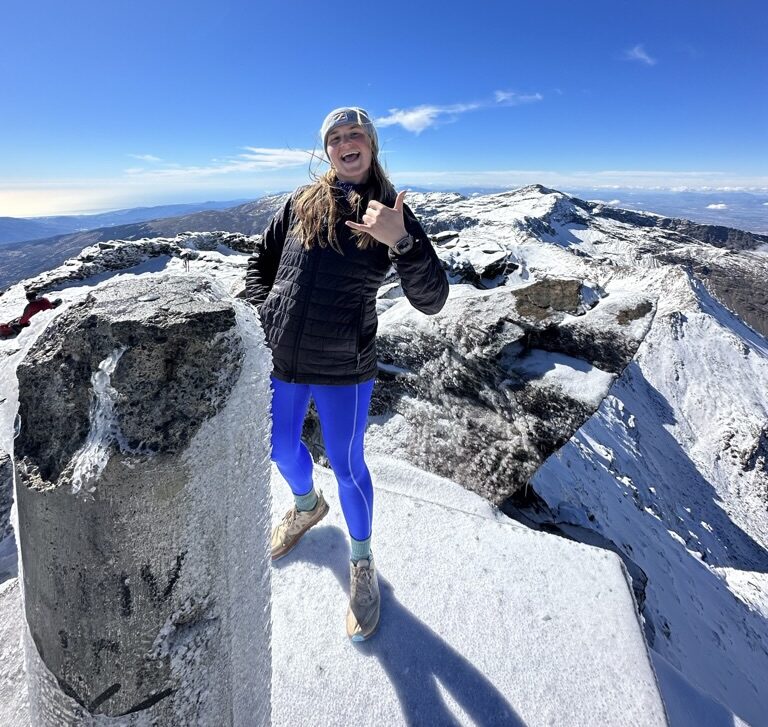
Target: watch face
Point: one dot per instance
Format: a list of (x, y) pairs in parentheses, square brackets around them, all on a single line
[(404, 245)]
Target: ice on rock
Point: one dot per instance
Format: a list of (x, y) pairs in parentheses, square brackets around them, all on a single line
[(91, 460)]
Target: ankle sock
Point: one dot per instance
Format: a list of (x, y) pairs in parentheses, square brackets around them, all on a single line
[(306, 502), (361, 550)]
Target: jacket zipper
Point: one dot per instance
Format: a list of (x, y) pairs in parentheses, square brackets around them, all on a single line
[(313, 273)]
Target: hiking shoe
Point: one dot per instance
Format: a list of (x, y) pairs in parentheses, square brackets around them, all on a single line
[(364, 600), (294, 524)]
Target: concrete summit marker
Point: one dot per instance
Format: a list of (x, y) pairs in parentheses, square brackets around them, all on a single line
[(142, 477)]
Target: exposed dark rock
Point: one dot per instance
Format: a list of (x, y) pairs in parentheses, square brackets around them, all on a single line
[(6, 495), (539, 228), (454, 384), (123, 254), (604, 348), (490, 273), (163, 361), (737, 280), (436, 212), (757, 457), (215, 239), (633, 314), (238, 242), (716, 235), (461, 270), (441, 238), (539, 300)]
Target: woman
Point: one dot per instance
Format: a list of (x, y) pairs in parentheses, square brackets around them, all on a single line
[(314, 279)]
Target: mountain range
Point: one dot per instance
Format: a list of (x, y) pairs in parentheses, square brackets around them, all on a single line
[(14, 229)]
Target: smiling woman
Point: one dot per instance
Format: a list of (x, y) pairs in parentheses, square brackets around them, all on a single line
[(349, 149), (314, 279)]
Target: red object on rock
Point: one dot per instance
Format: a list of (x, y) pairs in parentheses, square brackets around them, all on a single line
[(37, 305)]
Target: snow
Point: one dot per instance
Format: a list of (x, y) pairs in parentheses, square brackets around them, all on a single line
[(13, 687), (92, 458), (573, 376), (689, 516), (686, 705), (483, 621)]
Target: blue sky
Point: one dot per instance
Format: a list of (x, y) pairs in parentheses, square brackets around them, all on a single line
[(117, 104)]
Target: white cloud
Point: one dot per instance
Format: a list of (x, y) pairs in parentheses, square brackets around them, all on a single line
[(422, 117), (510, 98), (638, 53), (419, 118), (255, 159), (263, 158), (719, 206), (146, 157)]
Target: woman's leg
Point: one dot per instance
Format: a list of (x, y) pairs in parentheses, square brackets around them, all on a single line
[(289, 453), (343, 412)]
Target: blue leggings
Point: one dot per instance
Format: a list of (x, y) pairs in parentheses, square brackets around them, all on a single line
[(343, 412)]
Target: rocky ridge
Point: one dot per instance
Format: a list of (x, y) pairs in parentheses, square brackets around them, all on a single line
[(25, 260)]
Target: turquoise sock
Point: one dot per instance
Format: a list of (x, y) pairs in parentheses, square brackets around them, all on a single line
[(361, 550), (306, 502)]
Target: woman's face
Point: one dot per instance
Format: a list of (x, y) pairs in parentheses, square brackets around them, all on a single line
[(349, 149)]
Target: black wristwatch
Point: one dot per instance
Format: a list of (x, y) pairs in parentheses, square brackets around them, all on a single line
[(404, 245)]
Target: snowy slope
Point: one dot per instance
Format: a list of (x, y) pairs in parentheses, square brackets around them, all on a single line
[(659, 472)]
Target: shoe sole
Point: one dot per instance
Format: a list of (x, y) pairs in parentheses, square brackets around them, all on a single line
[(364, 637), (357, 638), (276, 555)]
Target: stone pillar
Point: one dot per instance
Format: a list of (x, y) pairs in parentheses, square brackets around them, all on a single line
[(142, 473)]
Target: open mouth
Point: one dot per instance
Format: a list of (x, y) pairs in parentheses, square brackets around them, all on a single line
[(352, 156)]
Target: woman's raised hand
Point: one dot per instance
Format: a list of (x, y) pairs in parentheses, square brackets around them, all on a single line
[(383, 223)]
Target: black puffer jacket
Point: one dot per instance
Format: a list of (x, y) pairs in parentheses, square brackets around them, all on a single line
[(318, 307)]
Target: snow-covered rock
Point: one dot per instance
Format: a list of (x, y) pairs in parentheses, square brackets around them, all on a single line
[(487, 389)]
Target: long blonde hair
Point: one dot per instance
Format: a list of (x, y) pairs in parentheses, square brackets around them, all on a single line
[(317, 208)]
